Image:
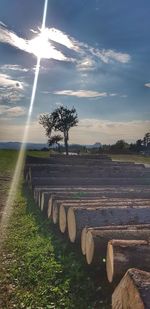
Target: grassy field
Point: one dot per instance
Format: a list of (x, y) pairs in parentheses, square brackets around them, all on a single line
[(131, 158), (39, 268), (8, 160)]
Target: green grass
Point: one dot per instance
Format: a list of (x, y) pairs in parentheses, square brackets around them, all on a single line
[(41, 154), (131, 158), (41, 269), (8, 159)]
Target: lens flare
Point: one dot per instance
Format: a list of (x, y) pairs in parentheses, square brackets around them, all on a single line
[(21, 157)]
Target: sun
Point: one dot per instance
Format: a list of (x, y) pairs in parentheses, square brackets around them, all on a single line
[(40, 45)]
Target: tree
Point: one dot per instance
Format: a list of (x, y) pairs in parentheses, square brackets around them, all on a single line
[(120, 145), (61, 119), (55, 139), (146, 139)]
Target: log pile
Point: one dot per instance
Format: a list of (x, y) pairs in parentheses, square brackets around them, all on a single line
[(104, 206)]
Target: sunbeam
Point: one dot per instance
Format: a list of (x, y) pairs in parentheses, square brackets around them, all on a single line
[(19, 164)]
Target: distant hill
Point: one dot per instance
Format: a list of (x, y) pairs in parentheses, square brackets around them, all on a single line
[(16, 145), (34, 146)]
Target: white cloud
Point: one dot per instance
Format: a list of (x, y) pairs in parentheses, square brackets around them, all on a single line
[(88, 131), (108, 55), (11, 90), (147, 85), (14, 132), (7, 81), (113, 94), (43, 45), (13, 67), (38, 46), (81, 93), (87, 64), (61, 38), (15, 111), (105, 131)]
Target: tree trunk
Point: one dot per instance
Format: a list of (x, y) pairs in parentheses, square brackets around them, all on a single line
[(133, 291), (96, 240), (124, 254), (66, 142), (78, 218)]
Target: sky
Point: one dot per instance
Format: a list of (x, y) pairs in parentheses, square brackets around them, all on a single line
[(95, 56)]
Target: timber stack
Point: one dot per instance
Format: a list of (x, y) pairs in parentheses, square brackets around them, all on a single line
[(103, 206)]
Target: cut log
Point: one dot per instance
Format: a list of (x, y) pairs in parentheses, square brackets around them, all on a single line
[(46, 203), (46, 170), (92, 201), (78, 218), (93, 173), (94, 188), (61, 208), (96, 240), (124, 254), (59, 181), (133, 291), (108, 227)]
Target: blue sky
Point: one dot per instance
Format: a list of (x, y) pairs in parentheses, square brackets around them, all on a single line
[(95, 57)]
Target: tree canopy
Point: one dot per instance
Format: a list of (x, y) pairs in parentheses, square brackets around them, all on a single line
[(61, 119)]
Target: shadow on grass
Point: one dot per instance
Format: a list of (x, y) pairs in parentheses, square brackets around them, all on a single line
[(84, 280)]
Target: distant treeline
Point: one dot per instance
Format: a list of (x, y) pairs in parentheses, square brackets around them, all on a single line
[(121, 146)]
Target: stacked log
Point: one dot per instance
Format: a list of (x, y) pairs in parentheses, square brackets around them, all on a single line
[(108, 202), (78, 218), (133, 291), (97, 239), (59, 181), (62, 207), (125, 254)]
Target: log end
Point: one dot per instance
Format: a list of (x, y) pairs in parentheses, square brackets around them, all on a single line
[(83, 241), (42, 202), (50, 207), (110, 262), (132, 291), (89, 247), (71, 222), (62, 219), (55, 212), (39, 199)]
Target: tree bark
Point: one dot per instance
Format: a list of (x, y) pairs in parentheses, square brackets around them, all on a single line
[(124, 254), (60, 208), (133, 291), (91, 201), (96, 240), (78, 218), (107, 227)]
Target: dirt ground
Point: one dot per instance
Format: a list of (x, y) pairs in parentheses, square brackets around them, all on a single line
[(4, 188)]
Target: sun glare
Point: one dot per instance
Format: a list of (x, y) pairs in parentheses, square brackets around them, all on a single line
[(39, 46)]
